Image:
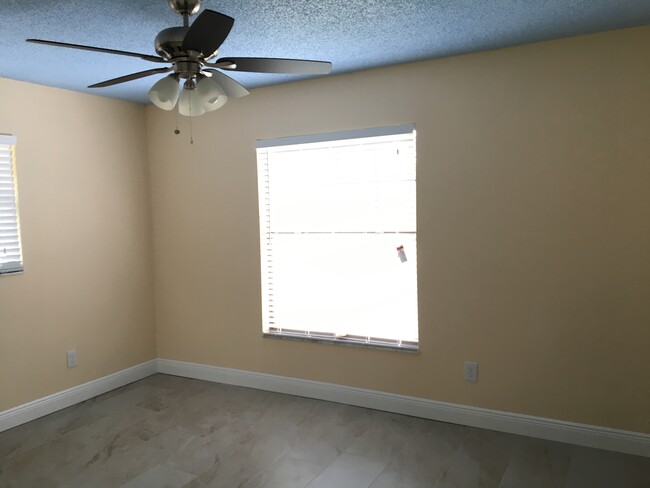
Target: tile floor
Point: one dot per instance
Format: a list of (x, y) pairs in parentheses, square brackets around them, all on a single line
[(166, 431)]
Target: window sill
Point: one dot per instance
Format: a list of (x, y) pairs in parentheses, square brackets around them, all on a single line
[(12, 273), (384, 346)]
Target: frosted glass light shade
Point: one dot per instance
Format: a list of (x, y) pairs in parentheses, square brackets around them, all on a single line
[(189, 103), (164, 93), (211, 96)]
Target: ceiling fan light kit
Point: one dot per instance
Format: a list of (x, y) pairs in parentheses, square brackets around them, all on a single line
[(190, 50), (206, 96), (164, 93), (210, 94), (189, 105)]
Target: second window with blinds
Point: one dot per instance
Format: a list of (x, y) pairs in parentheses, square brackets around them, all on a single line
[(11, 260), (338, 237)]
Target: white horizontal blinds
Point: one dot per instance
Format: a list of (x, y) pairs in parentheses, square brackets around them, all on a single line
[(10, 251), (332, 214)]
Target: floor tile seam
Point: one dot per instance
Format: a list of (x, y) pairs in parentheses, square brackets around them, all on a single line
[(574, 450), (161, 465), (518, 447), (43, 441), (380, 474), (7, 460), (451, 457), (376, 477), (288, 455), (354, 456), (14, 458), (69, 436), (564, 475), (518, 444), (393, 453), (386, 462)]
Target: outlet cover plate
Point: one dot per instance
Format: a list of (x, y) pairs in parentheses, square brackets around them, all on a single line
[(471, 371), (72, 358)]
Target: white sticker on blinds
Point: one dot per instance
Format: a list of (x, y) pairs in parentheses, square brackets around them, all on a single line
[(10, 250), (332, 215)]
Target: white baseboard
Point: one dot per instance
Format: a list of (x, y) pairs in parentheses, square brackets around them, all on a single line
[(77, 394), (543, 428)]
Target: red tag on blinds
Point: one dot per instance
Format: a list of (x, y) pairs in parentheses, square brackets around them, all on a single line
[(401, 254)]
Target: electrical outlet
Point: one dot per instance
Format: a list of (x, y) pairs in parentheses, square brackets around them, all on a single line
[(471, 371), (72, 358)]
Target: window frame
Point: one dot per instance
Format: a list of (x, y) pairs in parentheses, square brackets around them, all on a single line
[(8, 141), (368, 342)]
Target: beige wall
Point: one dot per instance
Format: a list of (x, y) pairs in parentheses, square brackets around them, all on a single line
[(86, 233), (534, 231), (533, 239)]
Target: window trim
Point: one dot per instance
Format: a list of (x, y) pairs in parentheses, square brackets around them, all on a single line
[(349, 340), (336, 136), (328, 337)]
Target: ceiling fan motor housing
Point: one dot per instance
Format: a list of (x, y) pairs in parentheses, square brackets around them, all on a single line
[(169, 42)]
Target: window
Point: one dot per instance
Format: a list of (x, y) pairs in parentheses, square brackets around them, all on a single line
[(10, 254), (338, 237)]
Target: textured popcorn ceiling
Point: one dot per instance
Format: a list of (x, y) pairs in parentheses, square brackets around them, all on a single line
[(352, 34)]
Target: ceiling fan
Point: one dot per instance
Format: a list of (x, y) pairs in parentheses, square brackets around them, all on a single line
[(191, 50)]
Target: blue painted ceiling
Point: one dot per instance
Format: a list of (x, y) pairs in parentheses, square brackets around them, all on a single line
[(352, 34)]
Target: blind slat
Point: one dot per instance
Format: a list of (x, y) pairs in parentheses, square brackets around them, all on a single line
[(10, 248)]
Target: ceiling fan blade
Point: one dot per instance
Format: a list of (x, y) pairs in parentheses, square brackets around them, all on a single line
[(231, 88), (146, 57), (277, 65), (132, 76), (207, 32)]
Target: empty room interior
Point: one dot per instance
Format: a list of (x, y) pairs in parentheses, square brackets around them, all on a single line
[(413, 251)]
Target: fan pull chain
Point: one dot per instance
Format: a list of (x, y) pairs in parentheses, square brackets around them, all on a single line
[(190, 102), (177, 130)]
